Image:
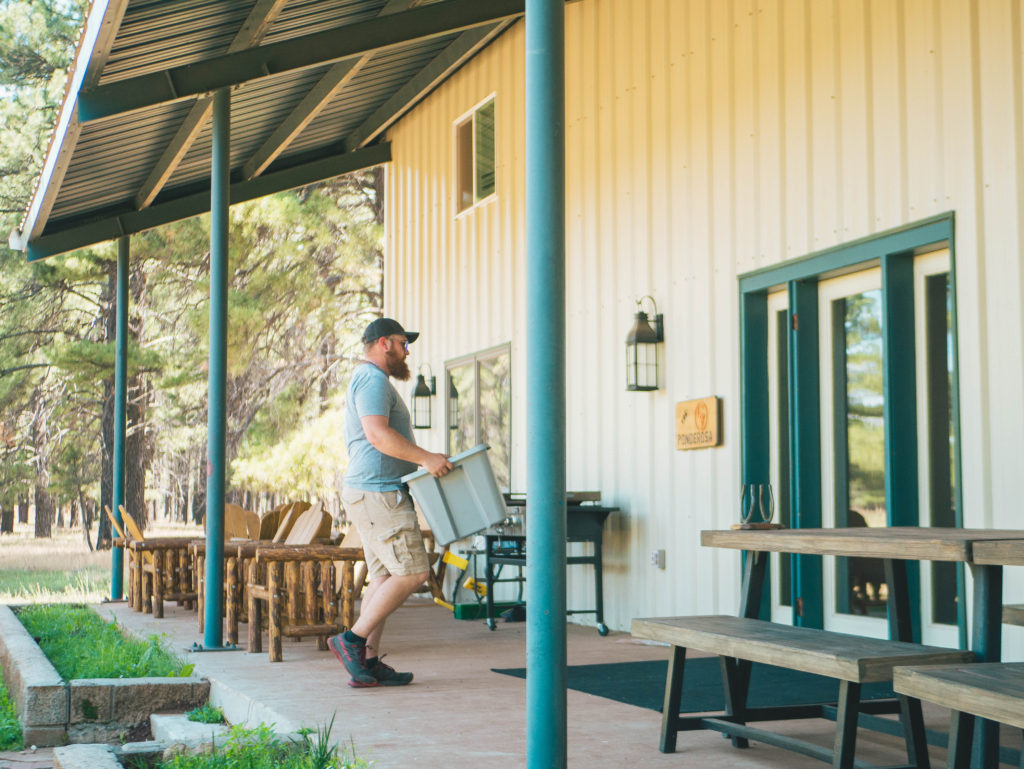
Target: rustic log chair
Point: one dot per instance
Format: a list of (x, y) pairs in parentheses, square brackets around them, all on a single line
[(163, 569), (312, 526), (301, 594), (236, 554)]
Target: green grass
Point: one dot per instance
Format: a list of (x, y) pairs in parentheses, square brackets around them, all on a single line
[(81, 645), (207, 714), (260, 748), (10, 728), (39, 586)]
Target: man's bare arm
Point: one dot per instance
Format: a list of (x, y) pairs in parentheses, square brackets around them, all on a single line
[(387, 440)]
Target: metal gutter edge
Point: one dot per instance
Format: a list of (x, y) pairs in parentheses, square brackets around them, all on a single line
[(93, 47)]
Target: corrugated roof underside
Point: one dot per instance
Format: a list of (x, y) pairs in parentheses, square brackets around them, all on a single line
[(159, 34), (257, 108), (112, 159), (382, 76)]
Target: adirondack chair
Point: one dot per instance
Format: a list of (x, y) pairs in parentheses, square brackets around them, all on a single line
[(161, 569), (121, 541), (240, 523)]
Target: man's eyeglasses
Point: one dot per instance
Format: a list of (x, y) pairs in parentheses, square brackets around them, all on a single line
[(404, 343)]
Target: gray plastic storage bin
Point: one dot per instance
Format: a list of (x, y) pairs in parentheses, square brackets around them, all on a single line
[(465, 501)]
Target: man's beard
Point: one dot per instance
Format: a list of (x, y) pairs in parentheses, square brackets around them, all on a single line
[(397, 367)]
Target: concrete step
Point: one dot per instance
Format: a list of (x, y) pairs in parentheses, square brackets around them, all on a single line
[(85, 757), (178, 730)]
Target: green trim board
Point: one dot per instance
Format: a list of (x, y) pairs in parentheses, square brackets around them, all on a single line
[(893, 250), (909, 238), (805, 446), (899, 386)]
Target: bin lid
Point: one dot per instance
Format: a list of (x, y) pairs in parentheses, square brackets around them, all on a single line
[(480, 447)]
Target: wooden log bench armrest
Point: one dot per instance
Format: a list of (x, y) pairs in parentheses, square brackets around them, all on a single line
[(739, 642)]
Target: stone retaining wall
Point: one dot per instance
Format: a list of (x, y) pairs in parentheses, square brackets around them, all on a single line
[(54, 712)]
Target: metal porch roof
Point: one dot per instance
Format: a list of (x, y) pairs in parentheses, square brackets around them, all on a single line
[(314, 85)]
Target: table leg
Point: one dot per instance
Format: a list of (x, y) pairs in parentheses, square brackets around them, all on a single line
[(754, 568), (901, 625), (673, 695), (489, 574), (599, 585), (986, 643), (736, 686)]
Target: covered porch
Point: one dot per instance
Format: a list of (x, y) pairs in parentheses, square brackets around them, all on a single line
[(459, 713)]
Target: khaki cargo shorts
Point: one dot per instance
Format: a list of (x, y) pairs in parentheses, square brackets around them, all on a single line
[(386, 522)]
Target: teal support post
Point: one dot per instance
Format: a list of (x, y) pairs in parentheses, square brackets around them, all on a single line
[(120, 408), (215, 471), (545, 384)]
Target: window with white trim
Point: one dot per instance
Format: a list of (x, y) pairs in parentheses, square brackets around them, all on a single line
[(474, 157)]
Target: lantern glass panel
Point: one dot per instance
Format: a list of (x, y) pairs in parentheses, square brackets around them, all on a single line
[(421, 412)]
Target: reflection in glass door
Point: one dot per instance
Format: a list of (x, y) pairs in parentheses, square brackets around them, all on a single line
[(480, 408), (853, 437)]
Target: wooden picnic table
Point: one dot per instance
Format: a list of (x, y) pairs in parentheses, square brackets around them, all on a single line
[(985, 551)]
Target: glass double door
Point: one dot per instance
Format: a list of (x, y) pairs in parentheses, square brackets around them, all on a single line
[(852, 374)]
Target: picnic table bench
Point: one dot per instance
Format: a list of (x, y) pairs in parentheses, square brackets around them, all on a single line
[(989, 690), (740, 641)]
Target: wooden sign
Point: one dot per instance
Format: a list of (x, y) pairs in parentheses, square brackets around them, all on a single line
[(698, 424)]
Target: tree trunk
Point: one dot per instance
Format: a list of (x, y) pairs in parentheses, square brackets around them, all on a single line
[(86, 508), (135, 456), (7, 519), (44, 511), (22, 509), (199, 491), (60, 516)]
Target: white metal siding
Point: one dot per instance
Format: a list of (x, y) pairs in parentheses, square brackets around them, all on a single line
[(706, 139)]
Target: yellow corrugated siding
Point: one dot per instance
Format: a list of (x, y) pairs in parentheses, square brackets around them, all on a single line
[(706, 139)]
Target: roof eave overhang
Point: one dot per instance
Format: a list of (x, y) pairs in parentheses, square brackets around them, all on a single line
[(93, 48), (120, 221)]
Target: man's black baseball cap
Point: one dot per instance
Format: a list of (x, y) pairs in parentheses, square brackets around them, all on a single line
[(387, 327)]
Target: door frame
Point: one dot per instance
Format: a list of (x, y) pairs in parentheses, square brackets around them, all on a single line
[(894, 252)]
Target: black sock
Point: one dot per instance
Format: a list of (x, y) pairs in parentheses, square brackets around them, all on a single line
[(371, 661), (353, 638)]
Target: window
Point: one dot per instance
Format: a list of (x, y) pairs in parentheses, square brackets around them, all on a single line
[(474, 156), (849, 385), (480, 407)]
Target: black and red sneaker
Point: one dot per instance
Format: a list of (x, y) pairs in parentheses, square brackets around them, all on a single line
[(387, 675), (352, 655)]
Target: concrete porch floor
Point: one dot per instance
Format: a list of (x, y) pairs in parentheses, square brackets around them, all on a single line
[(458, 713)]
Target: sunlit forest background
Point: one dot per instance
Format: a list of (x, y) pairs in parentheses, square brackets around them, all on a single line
[(305, 277)]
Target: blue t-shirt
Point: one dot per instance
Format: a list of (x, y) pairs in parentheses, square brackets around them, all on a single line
[(370, 393)]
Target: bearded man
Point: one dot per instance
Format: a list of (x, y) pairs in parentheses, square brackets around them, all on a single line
[(381, 449)]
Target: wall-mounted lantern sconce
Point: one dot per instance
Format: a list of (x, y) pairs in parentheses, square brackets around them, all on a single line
[(642, 349), (453, 405), (421, 394)]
